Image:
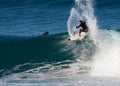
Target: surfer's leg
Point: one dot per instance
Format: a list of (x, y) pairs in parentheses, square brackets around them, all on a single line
[(80, 32)]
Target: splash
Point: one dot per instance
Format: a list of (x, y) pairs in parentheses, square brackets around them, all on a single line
[(107, 59), (83, 10)]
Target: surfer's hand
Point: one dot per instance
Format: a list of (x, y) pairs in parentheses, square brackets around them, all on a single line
[(76, 27)]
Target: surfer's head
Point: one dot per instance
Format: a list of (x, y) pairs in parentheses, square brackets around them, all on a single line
[(80, 21)]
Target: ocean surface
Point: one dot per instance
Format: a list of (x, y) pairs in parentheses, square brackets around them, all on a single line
[(29, 58)]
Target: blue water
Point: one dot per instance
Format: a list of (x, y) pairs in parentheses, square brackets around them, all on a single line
[(27, 56), (108, 14), (33, 17), (25, 18)]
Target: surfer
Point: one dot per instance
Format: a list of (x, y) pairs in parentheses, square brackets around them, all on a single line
[(84, 27)]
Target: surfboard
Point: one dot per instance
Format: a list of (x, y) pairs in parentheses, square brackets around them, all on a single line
[(77, 36)]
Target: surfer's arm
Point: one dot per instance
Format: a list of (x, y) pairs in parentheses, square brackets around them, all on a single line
[(78, 26)]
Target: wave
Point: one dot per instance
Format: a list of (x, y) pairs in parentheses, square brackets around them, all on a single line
[(38, 54), (43, 50), (106, 59), (26, 49), (54, 55)]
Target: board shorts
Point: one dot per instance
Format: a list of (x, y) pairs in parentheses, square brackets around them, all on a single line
[(84, 30)]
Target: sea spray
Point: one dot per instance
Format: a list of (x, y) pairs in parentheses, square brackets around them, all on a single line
[(107, 59), (83, 10), (72, 21)]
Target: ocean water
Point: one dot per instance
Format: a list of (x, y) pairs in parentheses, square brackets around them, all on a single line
[(28, 58)]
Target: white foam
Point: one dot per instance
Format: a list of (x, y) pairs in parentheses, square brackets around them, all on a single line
[(107, 59)]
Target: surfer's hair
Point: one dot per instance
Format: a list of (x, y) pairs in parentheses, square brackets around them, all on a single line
[(80, 21)]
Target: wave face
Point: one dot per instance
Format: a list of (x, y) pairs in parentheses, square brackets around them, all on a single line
[(35, 49), (20, 54)]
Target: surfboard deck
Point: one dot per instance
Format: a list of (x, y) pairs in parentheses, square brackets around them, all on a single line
[(77, 36)]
